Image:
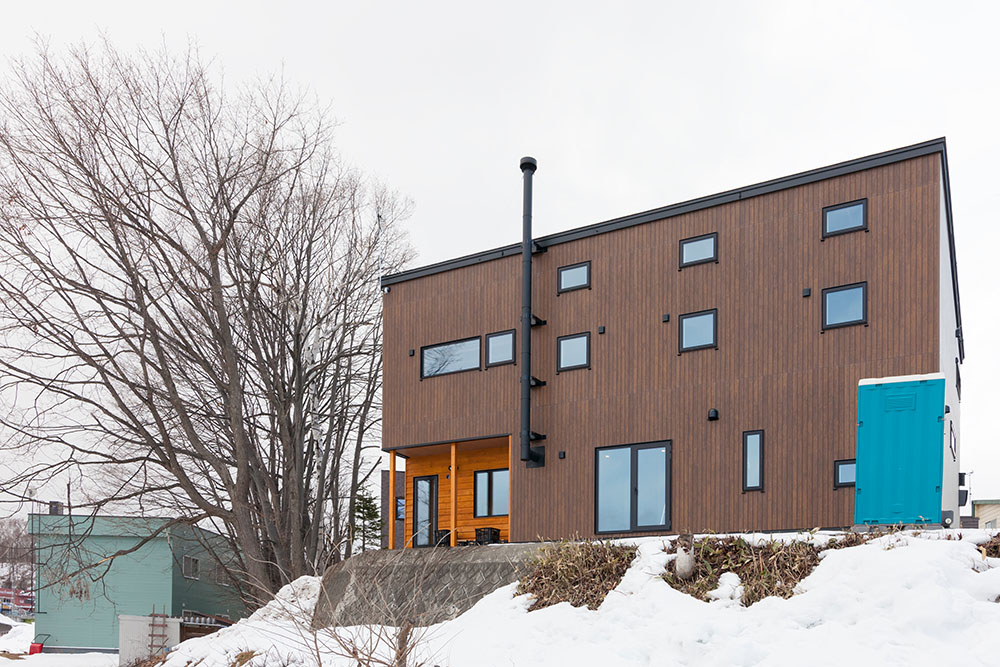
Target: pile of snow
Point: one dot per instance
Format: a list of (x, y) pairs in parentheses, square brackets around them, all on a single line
[(18, 638), (913, 599), (278, 633)]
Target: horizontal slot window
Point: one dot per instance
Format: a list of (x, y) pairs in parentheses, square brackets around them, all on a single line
[(844, 472), (454, 357), (699, 250), (699, 330), (844, 218), (845, 305), (573, 352), (500, 348), (574, 276)]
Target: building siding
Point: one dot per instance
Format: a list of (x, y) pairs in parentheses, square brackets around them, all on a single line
[(773, 369)]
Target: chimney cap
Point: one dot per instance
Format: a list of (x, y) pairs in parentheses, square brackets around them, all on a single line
[(529, 163)]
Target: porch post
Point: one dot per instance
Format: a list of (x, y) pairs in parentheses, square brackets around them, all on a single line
[(454, 494), (392, 500)]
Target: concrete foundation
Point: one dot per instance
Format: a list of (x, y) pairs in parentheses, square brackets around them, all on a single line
[(416, 587)]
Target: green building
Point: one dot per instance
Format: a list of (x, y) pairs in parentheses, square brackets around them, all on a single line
[(173, 573)]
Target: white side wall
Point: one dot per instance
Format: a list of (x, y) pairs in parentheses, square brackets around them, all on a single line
[(948, 344)]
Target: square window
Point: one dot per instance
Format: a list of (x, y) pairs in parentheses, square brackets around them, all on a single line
[(500, 348), (844, 218), (844, 472), (490, 492), (633, 487), (453, 357), (845, 305), (574, 277), (190, 567), (698, 330), (573, 352), (753, 461), (699, 249)]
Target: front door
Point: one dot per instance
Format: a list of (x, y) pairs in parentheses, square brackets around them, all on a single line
[(425, 497)]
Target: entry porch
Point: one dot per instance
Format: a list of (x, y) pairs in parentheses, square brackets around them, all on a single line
[(451, 490)]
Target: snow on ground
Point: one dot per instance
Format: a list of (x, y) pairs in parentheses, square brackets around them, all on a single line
[(902, 599), (18, 637), (65, 660)]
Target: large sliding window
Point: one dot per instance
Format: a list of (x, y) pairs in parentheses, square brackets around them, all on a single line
[(753, 460), (453, 357), (633, 487), (490, 492)]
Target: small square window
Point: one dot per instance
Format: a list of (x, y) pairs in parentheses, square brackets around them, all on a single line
[(500, 348), (844, 218), (844, 472), (574, 277), (698, 330), (699, 249), (190, 567), (400, 508), (753, 461), (573, 352), (845, 305)]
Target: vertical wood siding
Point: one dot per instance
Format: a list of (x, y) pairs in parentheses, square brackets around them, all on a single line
[(773, 370)]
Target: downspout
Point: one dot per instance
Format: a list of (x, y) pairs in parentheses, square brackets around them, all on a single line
[(534, 457)]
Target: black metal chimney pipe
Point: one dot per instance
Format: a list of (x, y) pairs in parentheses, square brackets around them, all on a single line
[(528, 166)]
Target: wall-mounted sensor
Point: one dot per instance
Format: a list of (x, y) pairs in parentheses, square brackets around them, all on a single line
[(713, 415)]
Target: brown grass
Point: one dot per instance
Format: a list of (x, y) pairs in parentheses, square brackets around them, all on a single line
[(11, 656), (242, 658), (581, 573), (991, 549), (771, 568)]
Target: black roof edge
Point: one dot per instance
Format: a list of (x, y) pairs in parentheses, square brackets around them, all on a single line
[(802, 178)]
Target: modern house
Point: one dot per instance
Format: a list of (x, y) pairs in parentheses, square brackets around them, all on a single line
[(987, 512), (697, 367), (173, 573)]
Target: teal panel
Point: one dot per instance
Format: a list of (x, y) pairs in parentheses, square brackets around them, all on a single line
[(80, 609), (899, 452), (209, 591)]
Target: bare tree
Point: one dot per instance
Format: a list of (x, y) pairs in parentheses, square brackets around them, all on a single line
[(189, 305), (15, 555)]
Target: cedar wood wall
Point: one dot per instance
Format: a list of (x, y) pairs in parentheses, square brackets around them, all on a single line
[(773, 370)]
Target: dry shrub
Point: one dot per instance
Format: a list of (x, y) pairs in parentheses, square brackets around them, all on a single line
[(991, 549), (581, 573), (154, 661), (242, 658), (772, 568)]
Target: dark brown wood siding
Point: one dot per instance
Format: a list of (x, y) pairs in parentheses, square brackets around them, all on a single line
[(773, 369)]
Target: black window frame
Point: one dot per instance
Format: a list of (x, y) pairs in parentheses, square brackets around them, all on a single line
[(513, 348), (559, 367), (843, 288), (489, 493), (715, 331), (836, 207), (479, 357), (559, 271), (958, 379), (192, 572), (760, 486), (681, 264), (400, 503), (837, 484), (434, 512), (634, 490)]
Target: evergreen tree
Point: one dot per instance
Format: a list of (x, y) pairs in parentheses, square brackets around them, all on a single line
[(367, 519)]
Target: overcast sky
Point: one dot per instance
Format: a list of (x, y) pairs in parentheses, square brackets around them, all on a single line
[(626, 106)]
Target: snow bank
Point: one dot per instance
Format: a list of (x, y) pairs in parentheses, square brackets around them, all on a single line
[(898, 600), (278, 633), (18, 638)]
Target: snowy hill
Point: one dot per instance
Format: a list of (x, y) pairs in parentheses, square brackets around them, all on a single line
[(902, 599)]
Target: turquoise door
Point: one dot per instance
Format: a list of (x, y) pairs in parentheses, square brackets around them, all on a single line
[(899, 452)]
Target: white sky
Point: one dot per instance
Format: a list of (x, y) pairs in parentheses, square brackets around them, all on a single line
[(626, 106)]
